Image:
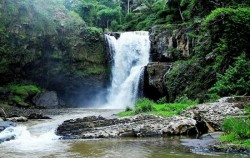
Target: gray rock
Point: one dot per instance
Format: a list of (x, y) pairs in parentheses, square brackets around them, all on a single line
[(17, 119), (179, 125), (135, 126), (166, 43), (37, 116), (5, 124), (46, 100), (7, 135), (213, 114)]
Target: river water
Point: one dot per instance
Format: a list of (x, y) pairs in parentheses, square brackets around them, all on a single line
[(37, 139)]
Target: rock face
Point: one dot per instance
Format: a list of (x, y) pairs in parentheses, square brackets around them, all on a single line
[(59, 51), (46, 100), (154, 85), (212, 114), (136, 126), (170, 44)]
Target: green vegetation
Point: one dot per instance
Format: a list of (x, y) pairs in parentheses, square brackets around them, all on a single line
[(149, 107), (19, 95), (42, 41), (236, 79), (237, 130)]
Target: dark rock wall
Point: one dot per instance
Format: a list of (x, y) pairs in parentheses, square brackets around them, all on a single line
[(155, 87), (168, 45)]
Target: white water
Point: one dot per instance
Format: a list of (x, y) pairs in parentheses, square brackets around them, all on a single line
[(130, 53)]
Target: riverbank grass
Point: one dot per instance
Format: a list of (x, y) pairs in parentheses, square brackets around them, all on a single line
[(149, 107), (237, 130)]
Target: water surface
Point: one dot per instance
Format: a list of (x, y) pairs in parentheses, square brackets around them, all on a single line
[(37, 139)]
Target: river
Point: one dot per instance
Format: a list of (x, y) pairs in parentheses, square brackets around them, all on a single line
[(37, 139)]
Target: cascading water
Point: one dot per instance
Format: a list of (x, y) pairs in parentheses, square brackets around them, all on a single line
[(130, 54)]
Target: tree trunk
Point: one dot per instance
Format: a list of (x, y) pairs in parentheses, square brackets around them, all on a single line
[(128, 6), (181, 14)]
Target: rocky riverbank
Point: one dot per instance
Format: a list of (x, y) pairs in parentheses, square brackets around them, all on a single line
[(200, 119)]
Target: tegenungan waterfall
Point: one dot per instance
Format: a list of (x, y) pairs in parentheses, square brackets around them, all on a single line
[(130, 54)]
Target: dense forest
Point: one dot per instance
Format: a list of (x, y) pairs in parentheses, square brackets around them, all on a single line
[(59, 45)]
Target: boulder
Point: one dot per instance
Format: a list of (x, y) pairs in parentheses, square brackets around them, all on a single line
[(37, 116), (17, 119), (5, 124), (180, 125), (135, 126), (46, 100)]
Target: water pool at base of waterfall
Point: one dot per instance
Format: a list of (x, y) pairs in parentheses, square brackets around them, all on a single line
[(37, 139)]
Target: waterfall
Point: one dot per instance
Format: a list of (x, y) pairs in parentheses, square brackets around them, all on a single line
[(129, 53)]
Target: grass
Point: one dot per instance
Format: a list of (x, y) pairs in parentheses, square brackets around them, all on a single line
[(237, 130), (149, 107)]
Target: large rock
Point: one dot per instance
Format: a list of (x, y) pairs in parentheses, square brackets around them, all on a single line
[(17, 119), (46, 100), (6, 131), (170, 44), (213, 114), (154, 84), (5, 124), (135, 126), (37, 116)]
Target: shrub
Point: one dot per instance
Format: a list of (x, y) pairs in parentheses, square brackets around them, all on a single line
[(24, 91), (185, 100), (236, 79), (162, 100), (144, 105), (128, 109)]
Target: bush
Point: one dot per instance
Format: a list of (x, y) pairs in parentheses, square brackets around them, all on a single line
[(162, 100), (24, 91), (185, 100), (144, 105), (21, 95), (128, 109), (236, 79)]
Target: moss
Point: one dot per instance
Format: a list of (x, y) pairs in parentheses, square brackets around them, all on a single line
[(24, 91), (19, 101)]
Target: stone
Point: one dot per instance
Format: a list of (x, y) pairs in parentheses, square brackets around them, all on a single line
[(1, 119), (46, 100), (37, 116), (5, 124), (141, 125), (17, 119), (180, 125), (213, 114)]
